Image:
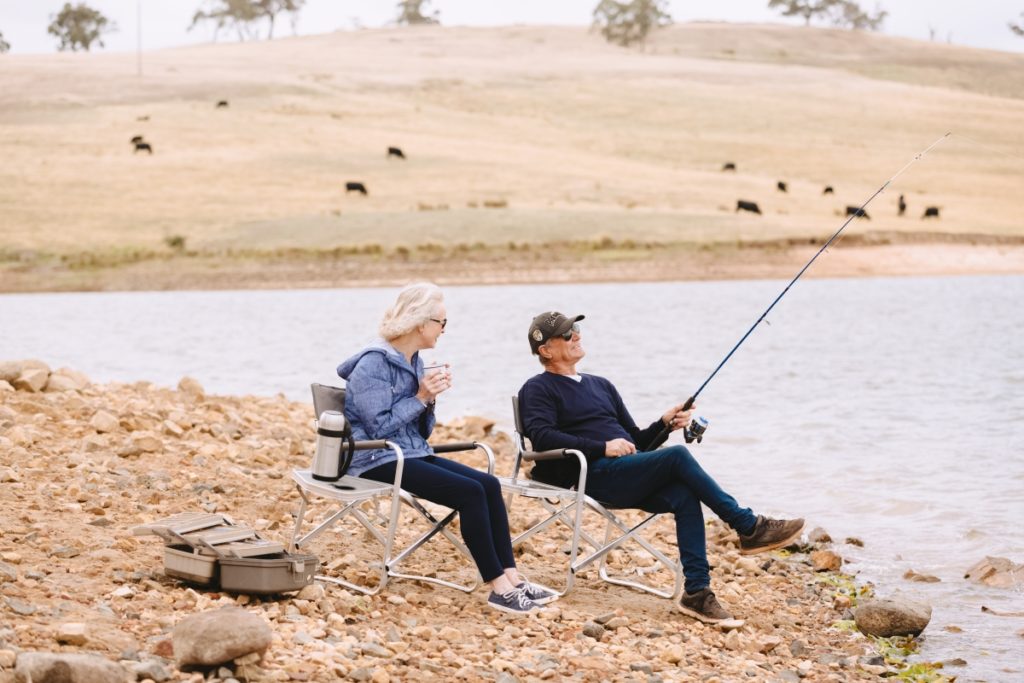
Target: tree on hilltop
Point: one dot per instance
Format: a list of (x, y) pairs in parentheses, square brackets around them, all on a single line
[(840, 13), (808, 9), (244, 15), (627, 23), (411, 13), (1018, 28), (4, 45), (78, 27)]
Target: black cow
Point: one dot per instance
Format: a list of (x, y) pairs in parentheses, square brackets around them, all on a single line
[(729, 166), (355, 187), (782, 186), (828, 190), (395, 152), (752, 207), (930, 212), (857, 211), (137, 139), (143, 147), (902, 206), (222, 104)]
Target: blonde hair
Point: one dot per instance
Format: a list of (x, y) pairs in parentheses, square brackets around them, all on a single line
[(414, 306)]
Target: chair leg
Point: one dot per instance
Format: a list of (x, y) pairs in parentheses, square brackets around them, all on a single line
[(437, 526)]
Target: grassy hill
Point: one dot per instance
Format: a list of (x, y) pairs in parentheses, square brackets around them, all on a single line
[(571, 138)]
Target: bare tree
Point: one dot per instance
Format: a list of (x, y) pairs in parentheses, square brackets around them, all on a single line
[(4, 45), (78, 27), (848, 14), (1018, 28), (808, 9), (626, 23), (412, 12), (271, 8), (244, 15)]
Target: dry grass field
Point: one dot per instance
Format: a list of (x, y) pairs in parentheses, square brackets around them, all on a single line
[(574, 140)]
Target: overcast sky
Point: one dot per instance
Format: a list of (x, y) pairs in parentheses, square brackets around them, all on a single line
[(980, 23)]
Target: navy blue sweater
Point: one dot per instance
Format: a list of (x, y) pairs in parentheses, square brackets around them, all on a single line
[(559, 412)]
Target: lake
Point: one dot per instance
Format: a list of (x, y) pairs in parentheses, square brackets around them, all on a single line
[(890, 409)]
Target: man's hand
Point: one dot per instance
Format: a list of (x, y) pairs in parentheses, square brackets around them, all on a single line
[(676, 418), (617, 447)]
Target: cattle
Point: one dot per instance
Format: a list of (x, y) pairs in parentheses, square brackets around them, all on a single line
[(142, 118), (828, 190), (395, 152), (930, 212), (857, 211), (782, 186), (137, 139), (728, 166), (143, 147), (902, 206), (355, 187), (223, 104), (752, 207)]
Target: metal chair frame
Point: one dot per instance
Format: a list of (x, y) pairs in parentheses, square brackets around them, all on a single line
[(351, 491), (567, 507)]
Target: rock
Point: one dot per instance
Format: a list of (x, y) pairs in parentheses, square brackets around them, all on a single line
[(33, 379), (191, 387), (853, 540), (911, 575), (103, 421), (219, 636), (798, 648), (819, 536), (592, 630), (19, 606), (7, 572), (892, 617), (5, 386), (61, 383), (147, 443), (998, 572), (7, 659), (733, 641), (49, 667), (72, 634), (826, 561)]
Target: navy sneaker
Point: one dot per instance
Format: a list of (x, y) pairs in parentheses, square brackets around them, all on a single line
[(539, 594), (514, 602)]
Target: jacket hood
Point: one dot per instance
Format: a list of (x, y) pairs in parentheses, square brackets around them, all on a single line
[(380, 346)]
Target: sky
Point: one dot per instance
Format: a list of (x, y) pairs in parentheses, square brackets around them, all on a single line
[(978, 23)]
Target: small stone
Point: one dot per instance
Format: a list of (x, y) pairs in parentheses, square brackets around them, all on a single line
[(592, 630), (33, 380), (219, 636), (892, 617), (797, 648), (45, 667), (825, 561), (191, 387), (103, 421), (819, 536), (911, 575), (73, 633), (853, 540), (19, 606), (7, 659), (998, 572)]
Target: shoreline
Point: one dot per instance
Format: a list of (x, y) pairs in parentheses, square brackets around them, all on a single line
[(604, 260), (121, 455)]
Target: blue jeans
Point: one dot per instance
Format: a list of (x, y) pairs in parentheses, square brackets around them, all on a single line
[(483, 518), (670, 480)]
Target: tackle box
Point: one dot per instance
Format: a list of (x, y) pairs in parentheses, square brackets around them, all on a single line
[(212, 550)]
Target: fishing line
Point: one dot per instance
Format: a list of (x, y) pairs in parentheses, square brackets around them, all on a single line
[(695, 431)]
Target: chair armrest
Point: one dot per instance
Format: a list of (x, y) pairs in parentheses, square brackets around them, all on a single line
[(556, 454), (453, 447), (370, 445)]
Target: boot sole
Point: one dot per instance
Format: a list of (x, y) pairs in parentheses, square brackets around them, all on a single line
[(729, 623), (789, 540)]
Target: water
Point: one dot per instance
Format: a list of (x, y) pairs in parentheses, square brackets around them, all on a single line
[(887, 409)]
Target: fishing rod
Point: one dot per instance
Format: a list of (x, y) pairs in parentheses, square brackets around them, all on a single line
[(696, 428)]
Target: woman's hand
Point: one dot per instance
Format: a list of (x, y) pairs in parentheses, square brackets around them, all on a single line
[(434, 382), (676, 418)]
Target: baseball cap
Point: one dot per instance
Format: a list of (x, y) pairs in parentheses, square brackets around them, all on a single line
[(550, 324)]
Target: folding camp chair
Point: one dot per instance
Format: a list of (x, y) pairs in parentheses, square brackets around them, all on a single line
[(350, 493), (567, 507)]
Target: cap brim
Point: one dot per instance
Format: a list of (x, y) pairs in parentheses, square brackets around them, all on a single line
[(567, 325)]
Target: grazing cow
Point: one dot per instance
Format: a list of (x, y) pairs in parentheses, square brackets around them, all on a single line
[(142, 118), (782, 186), (137, 139), (143, 147), (222, 104), (752, 207), (930, 212), (729, 166), (395, 152), (828, 190), (902, 206), (355, 187), (857, 211)]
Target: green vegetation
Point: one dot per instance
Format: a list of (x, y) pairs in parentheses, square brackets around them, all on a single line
[(841, 13), (628, 23), (78, 27), (1016, 28), (244, 15), (412, 13), (4, 45)]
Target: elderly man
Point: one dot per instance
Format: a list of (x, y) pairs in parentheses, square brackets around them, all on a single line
[(561, 408)]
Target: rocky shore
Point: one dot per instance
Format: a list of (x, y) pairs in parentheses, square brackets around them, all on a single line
[(83, 464)]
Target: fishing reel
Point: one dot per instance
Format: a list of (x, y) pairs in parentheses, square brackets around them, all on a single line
[(695, 432)]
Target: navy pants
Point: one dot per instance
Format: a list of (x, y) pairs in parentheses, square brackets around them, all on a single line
[(670, 480), (476, 495)]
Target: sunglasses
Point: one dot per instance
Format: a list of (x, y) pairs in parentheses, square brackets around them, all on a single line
[(443, 323), (575, 329)]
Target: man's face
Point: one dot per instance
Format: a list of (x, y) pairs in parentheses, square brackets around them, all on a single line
[(560, 350)]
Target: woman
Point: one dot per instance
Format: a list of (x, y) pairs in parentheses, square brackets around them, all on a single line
[(388, 396)]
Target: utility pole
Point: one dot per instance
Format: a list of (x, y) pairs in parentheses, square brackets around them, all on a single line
[(138, 33)]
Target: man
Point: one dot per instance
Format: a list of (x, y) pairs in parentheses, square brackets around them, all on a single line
[(561, 408)]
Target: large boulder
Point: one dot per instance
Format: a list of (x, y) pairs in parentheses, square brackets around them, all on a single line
[(219, 636), (66, 379), (998, 572), (32, 379), (10, 370), (892, 617), (60, 667)]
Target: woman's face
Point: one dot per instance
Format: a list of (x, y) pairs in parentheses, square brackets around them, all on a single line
[(434, 327)]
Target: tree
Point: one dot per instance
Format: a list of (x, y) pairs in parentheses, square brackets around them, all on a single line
[(847, 14), (271, 8), (243, 15), (411, 12), (626, 23), (808, 9), (1018, 28), (4, 45), (79, 27)]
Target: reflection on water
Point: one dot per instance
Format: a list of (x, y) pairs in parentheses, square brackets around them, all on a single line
[(887, 409)]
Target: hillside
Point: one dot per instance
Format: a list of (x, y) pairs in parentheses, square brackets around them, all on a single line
[(572, 138)]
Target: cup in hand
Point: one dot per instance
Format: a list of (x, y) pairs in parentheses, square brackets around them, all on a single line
[(438, 368)]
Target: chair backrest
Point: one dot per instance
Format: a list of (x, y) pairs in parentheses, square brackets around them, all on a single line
[(327, 398)]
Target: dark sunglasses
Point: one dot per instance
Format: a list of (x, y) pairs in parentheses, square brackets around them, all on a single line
[(443, 323), (575, 329)]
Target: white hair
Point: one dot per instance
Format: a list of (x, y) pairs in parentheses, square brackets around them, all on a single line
[(415, 305)]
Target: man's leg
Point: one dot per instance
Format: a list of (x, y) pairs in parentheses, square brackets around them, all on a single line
[(690, 535)]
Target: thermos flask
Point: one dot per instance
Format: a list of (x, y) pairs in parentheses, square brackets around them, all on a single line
[(327, 460)]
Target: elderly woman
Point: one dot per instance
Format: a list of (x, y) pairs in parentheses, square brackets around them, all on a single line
[(389, 396)]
